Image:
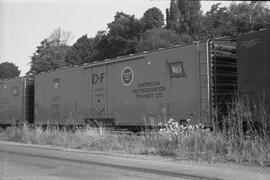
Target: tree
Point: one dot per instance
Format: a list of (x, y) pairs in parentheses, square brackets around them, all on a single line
[(152, 18), (8, 70), (109, 46), (189, 17), (48, 56), (217, 22), (121, 38), (82, 51), (125, 26), (238, 18), (249, 16), (59, 36), (161, 38), (184, 17), (51, 54), (172, 16)]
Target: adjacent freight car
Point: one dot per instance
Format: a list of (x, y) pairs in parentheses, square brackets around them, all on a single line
[(16, 100), (183, 82), (253, 59)]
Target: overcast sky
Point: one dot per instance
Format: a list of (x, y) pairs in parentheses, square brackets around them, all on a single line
[(25, 23)]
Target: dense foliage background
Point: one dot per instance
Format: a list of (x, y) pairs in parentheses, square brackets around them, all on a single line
[(126, 34)]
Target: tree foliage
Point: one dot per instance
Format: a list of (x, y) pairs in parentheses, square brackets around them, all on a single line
[(161, 38), (48, 56), (125, 26), (8, 70), (189, 16), (112, 46), (82, 51), (185, 16), (59, 36), (121, 39), (172, 16), (249, 16), (127, 34), (152, 18), (237, 18), (216, 22), (51, 54)]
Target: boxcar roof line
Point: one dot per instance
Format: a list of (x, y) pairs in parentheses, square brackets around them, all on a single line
[(10, 79), (119, 58), (116, 59)]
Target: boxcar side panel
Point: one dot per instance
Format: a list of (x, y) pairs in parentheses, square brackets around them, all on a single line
[(141, 90), (155, 87), (63, 97), (11, 101)]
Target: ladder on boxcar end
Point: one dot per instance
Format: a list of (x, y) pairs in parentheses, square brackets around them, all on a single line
[(29, 99), (203, 86)]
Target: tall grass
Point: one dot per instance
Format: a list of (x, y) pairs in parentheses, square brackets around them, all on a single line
[(240, 139), (246, 129)]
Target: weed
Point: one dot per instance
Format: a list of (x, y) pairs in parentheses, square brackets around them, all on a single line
[(239, 139)]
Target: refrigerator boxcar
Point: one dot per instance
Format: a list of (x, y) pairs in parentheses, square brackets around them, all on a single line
[(11, 97), (16, 100), (183, 82)]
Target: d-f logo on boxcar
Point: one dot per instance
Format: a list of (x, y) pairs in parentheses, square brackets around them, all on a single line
[(127, 76), (98, 78)]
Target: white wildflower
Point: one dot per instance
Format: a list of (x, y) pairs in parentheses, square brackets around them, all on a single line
[(170, 120)]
